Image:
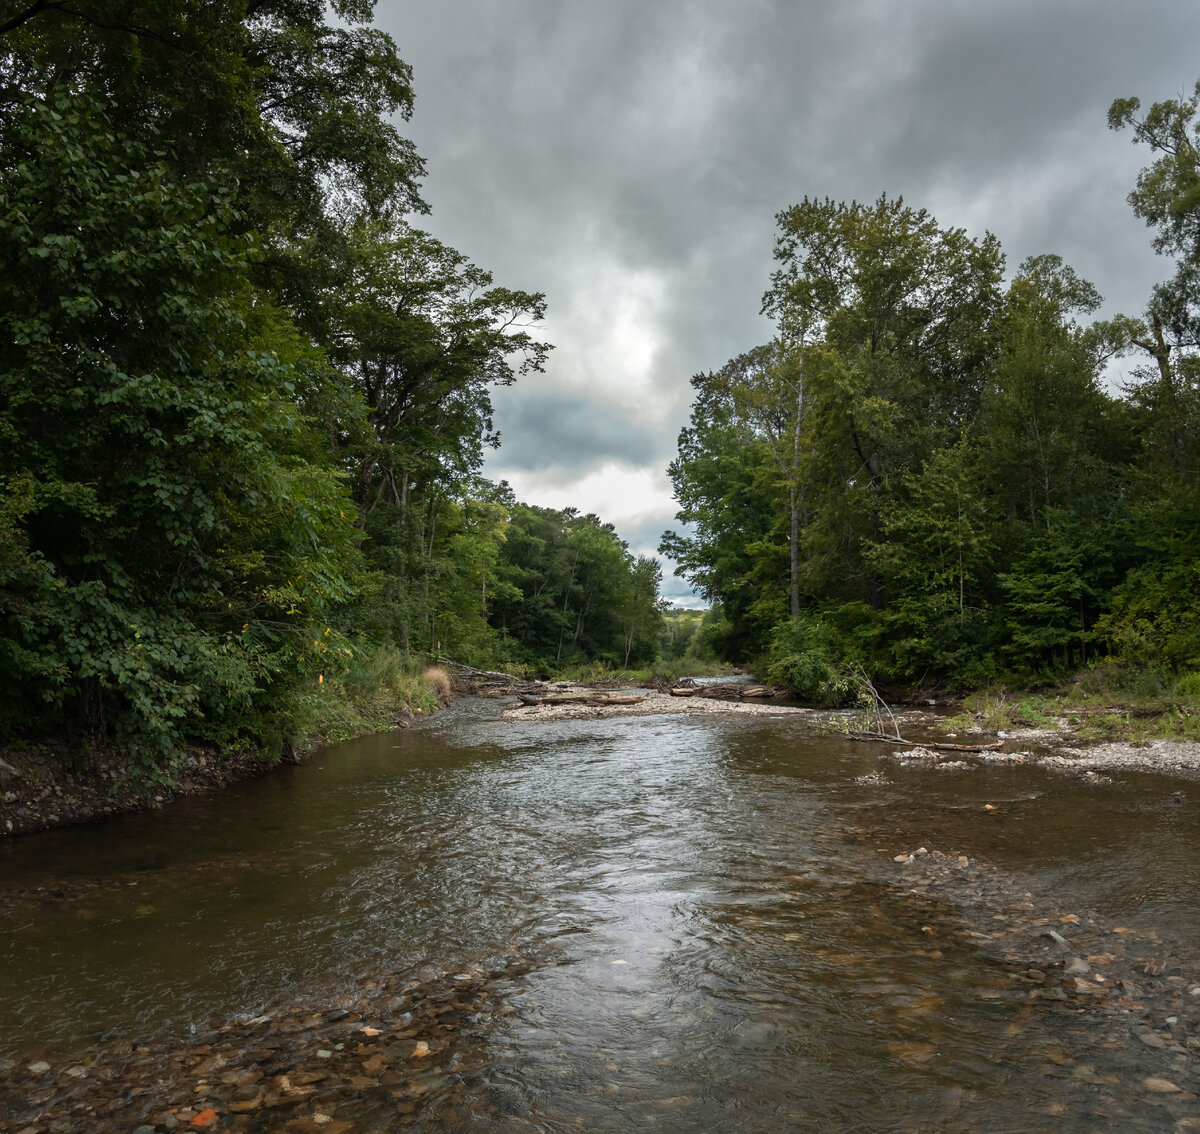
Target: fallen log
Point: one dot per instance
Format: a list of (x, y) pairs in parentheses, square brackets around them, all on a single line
[(470, 679), (592, 699), (737, 691), (884, 738), (683, 691)]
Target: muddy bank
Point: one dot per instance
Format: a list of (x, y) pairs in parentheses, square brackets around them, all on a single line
[(46, 785), (68, 783)]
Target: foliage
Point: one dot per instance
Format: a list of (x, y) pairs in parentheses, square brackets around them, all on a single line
[(243, 401), (175, 549), (807, 655), (378, 688), (570, 590), (924, 472), (678, 635)]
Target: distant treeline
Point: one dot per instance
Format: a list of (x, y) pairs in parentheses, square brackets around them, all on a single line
[(925, 474), (243, 399)]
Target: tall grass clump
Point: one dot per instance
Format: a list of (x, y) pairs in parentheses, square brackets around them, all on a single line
[(380, 688)]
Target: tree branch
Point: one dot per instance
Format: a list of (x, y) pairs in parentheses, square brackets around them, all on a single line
[(40, 6)]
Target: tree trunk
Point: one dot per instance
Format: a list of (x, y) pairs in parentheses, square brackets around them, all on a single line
[(794, 539)]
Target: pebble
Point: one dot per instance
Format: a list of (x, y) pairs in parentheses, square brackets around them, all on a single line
[(1159, 1086), (303, 1072)]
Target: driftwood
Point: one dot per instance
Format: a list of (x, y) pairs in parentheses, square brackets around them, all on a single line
[(737, 691), (884, 738), (486, 680), (597, 700), (683, 691)]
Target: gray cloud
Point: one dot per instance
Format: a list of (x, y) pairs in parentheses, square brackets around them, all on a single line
[(629, 158), (571, 434)]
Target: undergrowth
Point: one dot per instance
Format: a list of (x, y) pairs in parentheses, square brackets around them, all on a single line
[(376, 691), (1105, 702)]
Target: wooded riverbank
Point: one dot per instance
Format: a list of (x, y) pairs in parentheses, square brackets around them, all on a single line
[(47, 785)]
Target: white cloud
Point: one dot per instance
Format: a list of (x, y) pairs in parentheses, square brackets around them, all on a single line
[(618, 493)]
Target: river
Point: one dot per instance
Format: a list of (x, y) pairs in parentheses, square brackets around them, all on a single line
[(714, 930)]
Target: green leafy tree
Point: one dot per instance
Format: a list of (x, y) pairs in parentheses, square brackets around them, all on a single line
[(904, 312), (571, 591), (733, 548), (422, 336), (174, 547)]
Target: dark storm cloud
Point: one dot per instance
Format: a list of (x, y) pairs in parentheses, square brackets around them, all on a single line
[(628, 159), (548, 430)]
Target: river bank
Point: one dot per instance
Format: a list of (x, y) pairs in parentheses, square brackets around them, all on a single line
[(49, 785), (70, 780)]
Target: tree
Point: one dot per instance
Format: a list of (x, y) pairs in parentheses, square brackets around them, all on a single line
[(903, 311), (935, 562), (569, 590), (422, 336), (768, 389), (1167, 197), (733, 549), (175, 547)]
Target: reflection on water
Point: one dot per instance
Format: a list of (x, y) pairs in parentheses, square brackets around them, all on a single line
[(721, 950)]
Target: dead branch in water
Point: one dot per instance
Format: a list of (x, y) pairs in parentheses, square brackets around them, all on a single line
[(887, 738)]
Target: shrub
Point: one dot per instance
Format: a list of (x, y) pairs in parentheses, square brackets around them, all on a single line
[(804, 656)]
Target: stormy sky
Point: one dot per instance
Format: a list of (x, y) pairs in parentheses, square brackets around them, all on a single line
[(628, 157)]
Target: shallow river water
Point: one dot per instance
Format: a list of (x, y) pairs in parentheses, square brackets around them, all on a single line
[(714, 930)]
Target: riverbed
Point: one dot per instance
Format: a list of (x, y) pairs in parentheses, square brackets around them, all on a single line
[(682, 923)]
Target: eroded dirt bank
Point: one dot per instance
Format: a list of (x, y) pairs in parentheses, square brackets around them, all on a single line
[(42, 788)]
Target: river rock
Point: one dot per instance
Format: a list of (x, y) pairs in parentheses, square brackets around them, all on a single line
[(1159, 1086)]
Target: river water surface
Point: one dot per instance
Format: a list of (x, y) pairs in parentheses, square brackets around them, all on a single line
[(717, 936)]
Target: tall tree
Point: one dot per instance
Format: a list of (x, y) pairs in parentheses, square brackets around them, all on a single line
[(423, 336), (733, 547), (179, 539), (904, 309)]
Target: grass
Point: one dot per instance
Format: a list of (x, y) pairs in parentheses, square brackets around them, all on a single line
[(377, 690), (1103, 703)]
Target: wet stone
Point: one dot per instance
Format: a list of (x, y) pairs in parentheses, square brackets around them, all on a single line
[(287, 1082)]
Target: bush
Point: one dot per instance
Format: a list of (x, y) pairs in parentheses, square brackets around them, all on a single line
[(806, 657), (1188, 685)]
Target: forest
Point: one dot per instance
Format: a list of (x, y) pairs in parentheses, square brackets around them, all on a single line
[(244, 398), (928, 476)]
